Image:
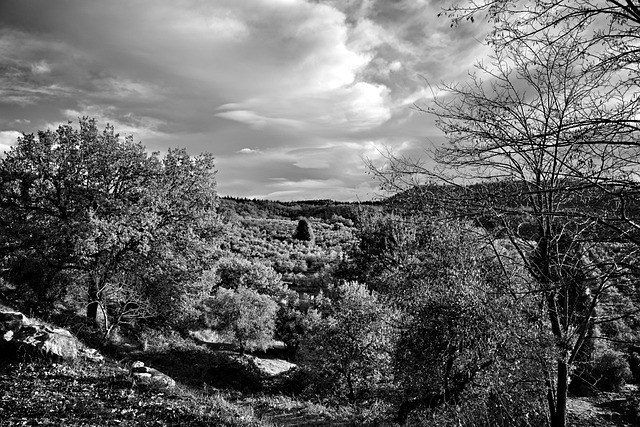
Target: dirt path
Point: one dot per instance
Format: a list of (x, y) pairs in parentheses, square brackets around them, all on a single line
[(604, 411)]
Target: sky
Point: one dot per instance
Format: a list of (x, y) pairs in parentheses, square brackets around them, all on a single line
[(289, 95)]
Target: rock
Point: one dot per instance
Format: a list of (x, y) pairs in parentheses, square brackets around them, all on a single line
[(244, 372), (36, 341), (148, 375), (24, 338), (12, 321), (272, 367), (91, 354)]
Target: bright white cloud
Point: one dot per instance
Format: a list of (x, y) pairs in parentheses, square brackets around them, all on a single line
[(7, 139), (257, 120), (350, 108)]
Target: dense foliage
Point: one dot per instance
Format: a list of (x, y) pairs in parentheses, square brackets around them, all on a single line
[(245, 314), (349, 348), (106, 219)]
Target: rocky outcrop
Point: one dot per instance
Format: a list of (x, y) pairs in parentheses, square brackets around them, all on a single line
[(244, 372), (147, 375), (24, 338), (271, 367)]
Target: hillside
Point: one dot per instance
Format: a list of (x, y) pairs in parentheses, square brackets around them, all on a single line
[(333, 300)]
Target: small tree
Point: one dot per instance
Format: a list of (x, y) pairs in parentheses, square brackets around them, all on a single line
[(234, 271), (245, 314), (304, 231), (296, 317), (351, 347), (458, 320)]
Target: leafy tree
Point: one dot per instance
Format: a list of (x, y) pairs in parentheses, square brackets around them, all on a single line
[(102, 208), (244, 313), (351, 346), (296, 317), (386, 255), (304, 231), (233, 272), (39, 286), (458, 323)]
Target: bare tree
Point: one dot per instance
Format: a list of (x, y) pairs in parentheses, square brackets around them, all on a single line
[(542, 145), (611, 23)]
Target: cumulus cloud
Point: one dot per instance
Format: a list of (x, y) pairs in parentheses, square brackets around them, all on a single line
[(288, 94), (349, 108), (7, 139)]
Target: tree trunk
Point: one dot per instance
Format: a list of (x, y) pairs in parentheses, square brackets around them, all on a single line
[(407, 407), (351, 392), (434, 400), (94, 298), (559, 416)]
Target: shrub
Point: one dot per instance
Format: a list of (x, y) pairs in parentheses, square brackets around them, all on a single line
[(38, 285), (244, 313), (295, 319), (350, 347), (610, 370)]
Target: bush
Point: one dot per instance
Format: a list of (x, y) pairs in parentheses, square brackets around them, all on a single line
[(295, 319), (610, 370), (350, 347), (634, 365), (245, 314)]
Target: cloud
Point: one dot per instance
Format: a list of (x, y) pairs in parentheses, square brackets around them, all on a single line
[(257, 120), (323, 168), (27, 72), (350, 108), (142, 128), (114, 88), (40, 67), (248, 151), (7, 139), (281, 91)]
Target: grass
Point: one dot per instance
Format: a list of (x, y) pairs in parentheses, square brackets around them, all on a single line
[(89, 394)]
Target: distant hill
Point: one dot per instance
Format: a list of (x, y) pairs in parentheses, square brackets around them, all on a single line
[(270, 209), (492, 202)]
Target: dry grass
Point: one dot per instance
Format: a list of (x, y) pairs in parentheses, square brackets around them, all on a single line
[(87, 394)]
